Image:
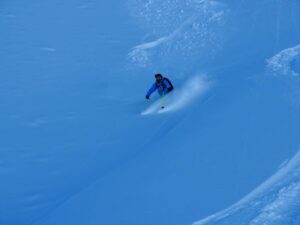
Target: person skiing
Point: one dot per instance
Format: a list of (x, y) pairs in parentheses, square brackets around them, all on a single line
[(162, 84)]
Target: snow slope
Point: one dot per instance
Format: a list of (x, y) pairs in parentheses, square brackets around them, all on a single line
[(75, 149), (181, 98), (276, 201)]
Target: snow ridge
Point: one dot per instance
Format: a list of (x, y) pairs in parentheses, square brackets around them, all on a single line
[(275, 202), (281, 62), (185, 29), (139, 53)]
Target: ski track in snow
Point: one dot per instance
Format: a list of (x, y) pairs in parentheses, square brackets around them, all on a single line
[(275, 202), (191, 90), (281, 62)]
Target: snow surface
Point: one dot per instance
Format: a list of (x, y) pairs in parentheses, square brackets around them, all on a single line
[(181, 98), (276, 201), (281, 62), (75, 149)]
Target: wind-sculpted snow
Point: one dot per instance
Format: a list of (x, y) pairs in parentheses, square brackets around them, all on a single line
[(275, 202), (74, 148), (181, 97), (282, 62), (140, 54), (182, 29)]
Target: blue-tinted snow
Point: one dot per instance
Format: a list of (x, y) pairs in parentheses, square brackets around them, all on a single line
[(75, 149), (192, 90), (276, 201)]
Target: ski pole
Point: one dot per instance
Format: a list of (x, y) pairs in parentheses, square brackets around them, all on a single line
[(163, 101)]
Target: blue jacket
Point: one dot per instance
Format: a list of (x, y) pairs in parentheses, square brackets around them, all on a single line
[(162, 87)]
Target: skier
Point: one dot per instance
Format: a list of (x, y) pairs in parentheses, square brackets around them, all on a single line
[(163, 85)]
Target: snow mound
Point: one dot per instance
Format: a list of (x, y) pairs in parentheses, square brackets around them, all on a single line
[(281, 62), (275, 202)]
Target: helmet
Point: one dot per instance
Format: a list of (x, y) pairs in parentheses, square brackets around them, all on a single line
[(158, 75)]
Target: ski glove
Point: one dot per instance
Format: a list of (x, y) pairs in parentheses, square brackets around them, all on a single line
[(147, 97)]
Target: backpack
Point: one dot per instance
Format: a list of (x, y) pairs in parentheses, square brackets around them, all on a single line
[(164, 86)]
